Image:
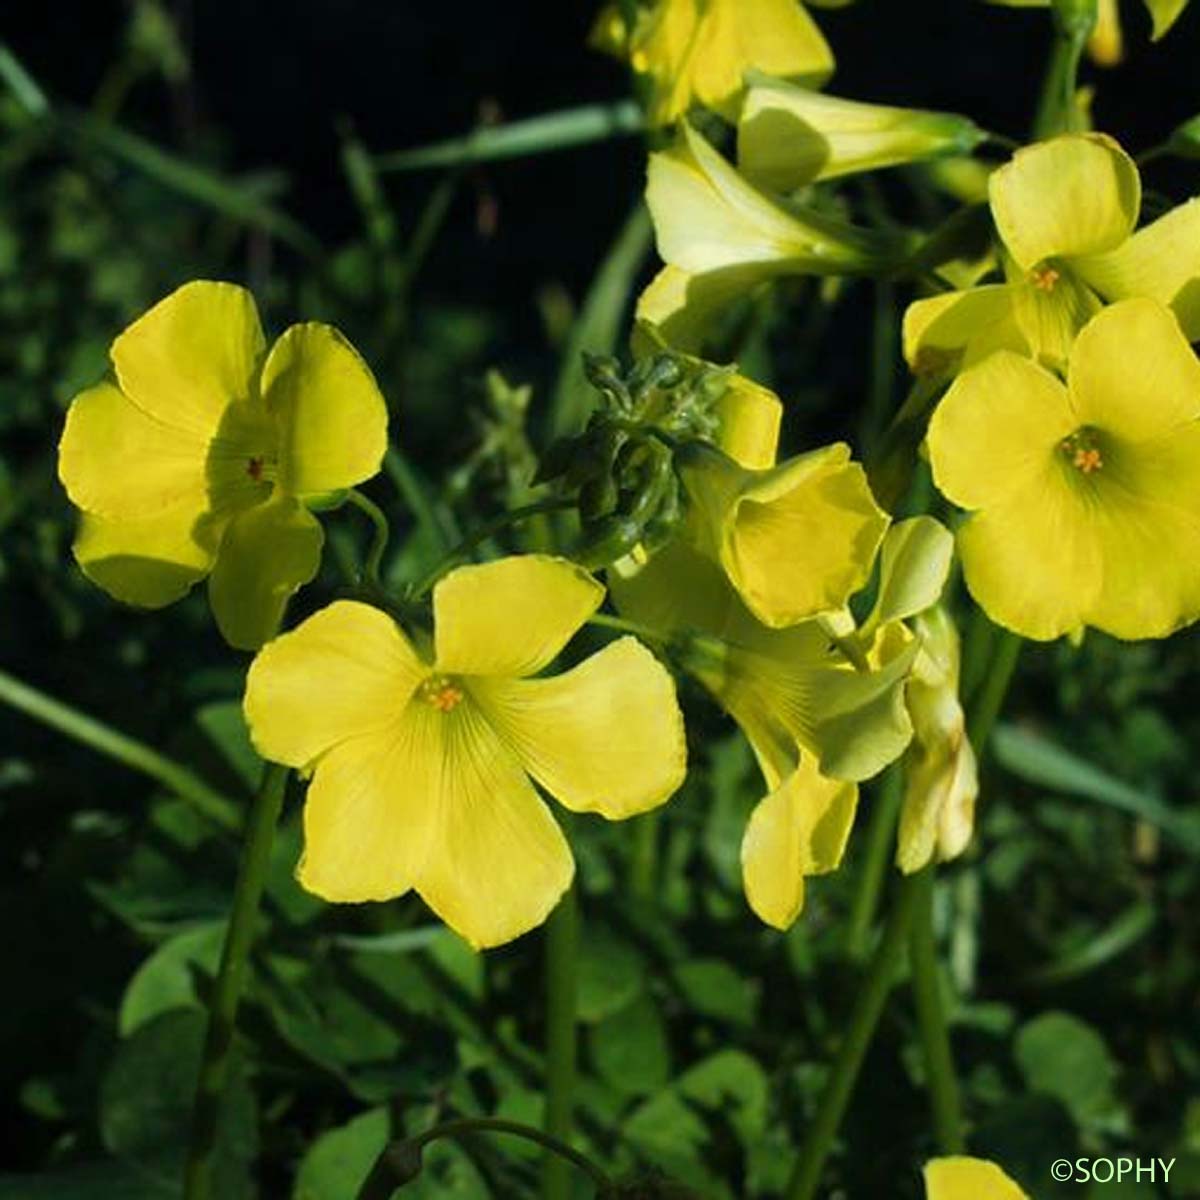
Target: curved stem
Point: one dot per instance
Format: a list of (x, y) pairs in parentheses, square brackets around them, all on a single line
[(989, 698), (608, 621), (395, 1166), (562, 960), (1057, 111), (885, 811), (218, 808), (379, 536), (485, 531), (227, 990), (931, 1020), (868, 1007)]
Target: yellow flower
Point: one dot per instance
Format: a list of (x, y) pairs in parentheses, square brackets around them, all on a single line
[(1065, 211), (721, 237), (422, 755), (698, 51), (196, 460), (796, 539), (1085, 498), (791, 136), (961, 1178)]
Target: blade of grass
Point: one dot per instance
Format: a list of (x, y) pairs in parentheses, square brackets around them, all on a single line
[(535, 135), (1037, 760), (600, 320)]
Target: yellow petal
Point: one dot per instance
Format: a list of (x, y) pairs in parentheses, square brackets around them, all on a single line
[(605, 737), (953, 331), (800, 829), (345, 671), (962, 1178), (1051, 314), (914, 562), (791, 136), (708, 217), (662, 47), (371, 809), (149, 562), (998, 426), (1161, 261), (192, 355), (686, 308), (749, 416), (498, 862), (1075, 194), (1164, 14), (1149, 582), (1032, 562), (332, 418), (117, 462), (1132, 373), (266, 554), (795, 540), (512, 616), (776, 37)]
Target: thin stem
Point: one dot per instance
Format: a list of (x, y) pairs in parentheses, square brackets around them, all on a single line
[(218, 808), (608, 621), (868, 1008), (485, 531), (992, 690), (941, 1079), (562, 962), (1057, 111), (227, 990), (400, 1162), (379, 537), (643, 866), (412, 488), (881, 828)]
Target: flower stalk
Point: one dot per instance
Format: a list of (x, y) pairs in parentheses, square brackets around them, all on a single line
[(231, 974), (562, 959)]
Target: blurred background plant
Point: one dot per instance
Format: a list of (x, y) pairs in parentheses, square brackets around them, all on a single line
[(148, 143)]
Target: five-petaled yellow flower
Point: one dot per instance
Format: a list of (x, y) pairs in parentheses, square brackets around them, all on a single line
[(1085, 498), (962, 1178), (698, 51), (1065, 210), (422, 752), (197, 459)]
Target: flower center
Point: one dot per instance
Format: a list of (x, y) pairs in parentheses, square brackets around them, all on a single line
[(1082, 450), (1044, 277), (260, 468), (441, 693)]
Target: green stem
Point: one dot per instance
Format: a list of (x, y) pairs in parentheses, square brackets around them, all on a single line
[(218, 808), (227, 990), (643, 867), (1006, 649), (608, 621), (414, 491), (400, 1162), (562, 958), (868, 1008), (379, 537), (881, 829), (485, 531), (931, 1019), (1057, 110)]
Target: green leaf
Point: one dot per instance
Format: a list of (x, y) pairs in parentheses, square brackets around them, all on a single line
[(1064, 1057), (98, 1181), (713, 988), (165, 980), (612, 973), (1039, 761), (338, 1161), (629, 1048), (146, 1105), (733, 1084)]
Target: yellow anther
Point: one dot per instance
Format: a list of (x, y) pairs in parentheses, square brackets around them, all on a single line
[(1088, 460), (1044, 278), (440, 693), (1083, 452)]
